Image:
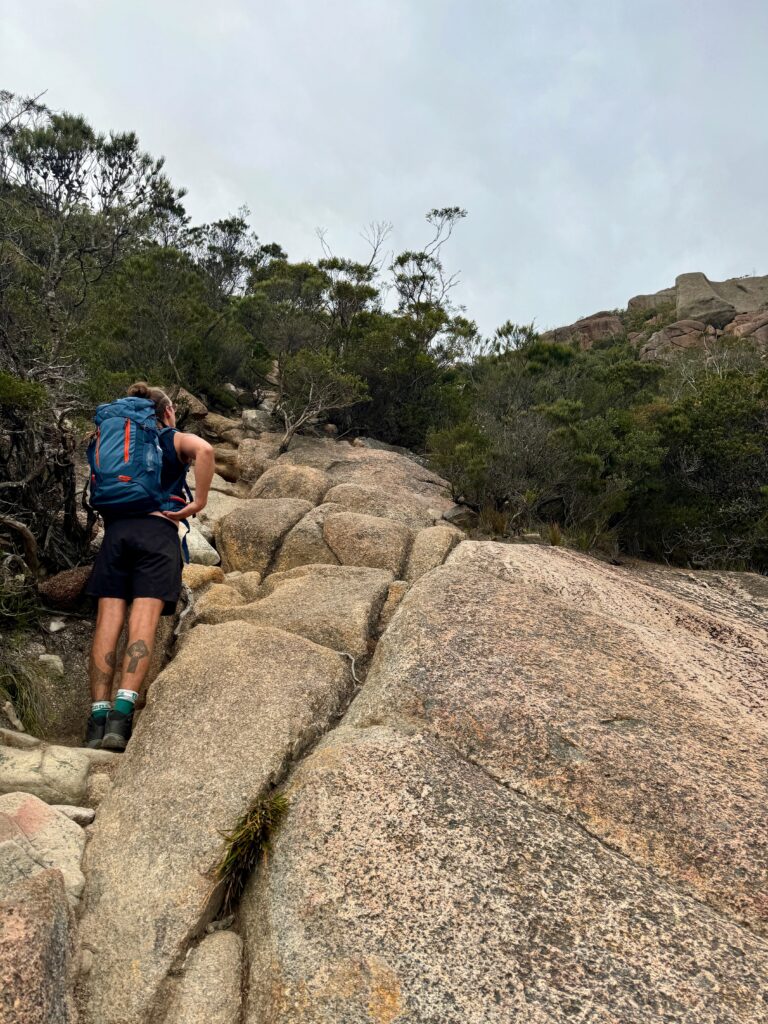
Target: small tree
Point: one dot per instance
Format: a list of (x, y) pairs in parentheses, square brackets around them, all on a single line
[(310, 383)]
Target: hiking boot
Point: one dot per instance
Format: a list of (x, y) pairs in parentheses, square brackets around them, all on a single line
[(94, 731), (117, 731)]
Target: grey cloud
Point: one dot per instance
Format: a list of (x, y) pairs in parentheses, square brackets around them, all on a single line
[(600, 147)]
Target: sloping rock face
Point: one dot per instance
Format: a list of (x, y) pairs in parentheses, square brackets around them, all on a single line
[(548, 796), (222, 723), (585, 332), (522, 785), (579, 706), (409, 885)]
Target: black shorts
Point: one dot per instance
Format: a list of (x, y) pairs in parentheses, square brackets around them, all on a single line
[(139, 557)]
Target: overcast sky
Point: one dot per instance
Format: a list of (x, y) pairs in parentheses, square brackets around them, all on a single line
[(600, 146)]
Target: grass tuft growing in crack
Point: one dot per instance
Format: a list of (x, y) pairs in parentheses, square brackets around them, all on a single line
[(21, 683), (247, 842)]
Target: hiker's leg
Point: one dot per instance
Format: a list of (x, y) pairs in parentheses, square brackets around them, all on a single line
[(142, 626), (101, 666)]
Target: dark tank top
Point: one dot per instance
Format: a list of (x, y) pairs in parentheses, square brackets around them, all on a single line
[(174, 471), (172, 479)]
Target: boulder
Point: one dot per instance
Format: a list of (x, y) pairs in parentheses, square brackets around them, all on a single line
[(665, 297), (387, 470), (80, 815), (333, 605), (218, 596), (208, 991), (248, 537), (57, 775), (251, 699), (698, 298), (219, 428), (461, 516), (200, 551), (258, 420), (37, 946), (252, 459), (188, 406), (226, 463), (286, 481), (684, 334), (397, 503), (232, 487), (65, 589), (619, 706), (99, 788), (430, 548), (196, 577), (585, 332), (218, 506), (35, 836), (715, 303), (750, 326), (21, 740), (367, 540), (407, 884), (305, 544)]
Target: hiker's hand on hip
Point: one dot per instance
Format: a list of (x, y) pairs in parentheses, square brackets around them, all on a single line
[(185, 512)]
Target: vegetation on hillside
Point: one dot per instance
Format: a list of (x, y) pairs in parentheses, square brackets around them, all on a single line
[(104, 279)]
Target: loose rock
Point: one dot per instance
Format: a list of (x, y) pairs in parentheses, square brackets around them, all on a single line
[(56, 775), (35, 836), (37, 952)]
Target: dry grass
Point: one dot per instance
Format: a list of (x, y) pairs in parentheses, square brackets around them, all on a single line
[(247, 842), (555, 535), (22, 683), (492, 521)]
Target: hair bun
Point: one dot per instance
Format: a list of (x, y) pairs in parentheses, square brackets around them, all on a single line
[(139, 390)]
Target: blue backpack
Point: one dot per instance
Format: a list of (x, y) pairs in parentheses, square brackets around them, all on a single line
[(126, 459)]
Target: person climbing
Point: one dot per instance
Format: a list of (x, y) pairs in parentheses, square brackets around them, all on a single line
[(139, 462)]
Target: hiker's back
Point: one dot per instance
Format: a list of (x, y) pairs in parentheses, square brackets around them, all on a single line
[(129, 469)]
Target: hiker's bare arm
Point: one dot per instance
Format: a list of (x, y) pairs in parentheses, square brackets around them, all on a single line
[(193, 449)]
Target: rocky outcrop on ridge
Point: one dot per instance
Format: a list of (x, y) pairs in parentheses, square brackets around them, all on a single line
[(695, 297), (691, 315), (522, 784)]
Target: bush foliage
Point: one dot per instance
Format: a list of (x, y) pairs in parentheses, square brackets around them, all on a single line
[(104, 279)]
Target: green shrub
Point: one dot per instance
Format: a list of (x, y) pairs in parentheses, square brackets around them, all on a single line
[(16, 393)]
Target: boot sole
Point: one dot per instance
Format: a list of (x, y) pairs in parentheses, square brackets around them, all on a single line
[(114, 742)]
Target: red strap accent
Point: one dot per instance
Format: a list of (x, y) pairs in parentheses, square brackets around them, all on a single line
[(127, 445), (124, 478), (175, 497)]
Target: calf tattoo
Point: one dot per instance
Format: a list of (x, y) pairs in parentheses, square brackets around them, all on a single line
[(103, 676), (136, 652)]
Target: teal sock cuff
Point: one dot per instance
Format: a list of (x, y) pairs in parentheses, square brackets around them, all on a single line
[(100, 708), (125, 700)]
